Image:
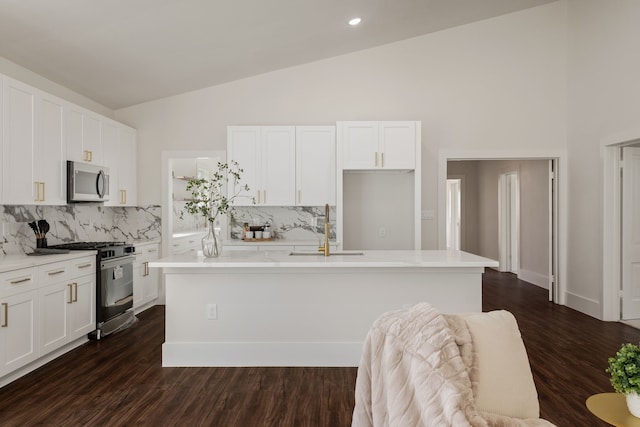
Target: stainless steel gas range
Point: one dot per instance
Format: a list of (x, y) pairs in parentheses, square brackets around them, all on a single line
[(114, 282)]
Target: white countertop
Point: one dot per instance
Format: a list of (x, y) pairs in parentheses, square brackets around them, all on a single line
[(277, 242), (266, 259), (16, 262)]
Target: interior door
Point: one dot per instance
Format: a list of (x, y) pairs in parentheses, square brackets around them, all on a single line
[(631, 233)]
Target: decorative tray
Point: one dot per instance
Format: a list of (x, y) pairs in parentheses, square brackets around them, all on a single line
[(268, 239)]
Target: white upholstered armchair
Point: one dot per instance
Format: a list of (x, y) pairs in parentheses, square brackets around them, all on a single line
[(422, 368)]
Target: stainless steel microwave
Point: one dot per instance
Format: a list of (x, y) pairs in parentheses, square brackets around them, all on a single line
[(87, 182)]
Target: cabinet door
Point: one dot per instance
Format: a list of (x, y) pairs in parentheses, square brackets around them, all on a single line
[(50, 155), (127, 173), (55, 301), (315, 165), (18, 144), (92, 138), (84, 136), (150, 287), (397, 145), (243, 146), (360, 145), (278, 165), (138, 284), (112, 159), (82, 316), (18, 331)]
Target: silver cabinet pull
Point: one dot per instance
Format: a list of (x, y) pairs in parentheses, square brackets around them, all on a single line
[(15, 282), (85, 265), (70, 285), (75, 287)]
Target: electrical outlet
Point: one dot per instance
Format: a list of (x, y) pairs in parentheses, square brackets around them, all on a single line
[(382, 232), (212, 312)]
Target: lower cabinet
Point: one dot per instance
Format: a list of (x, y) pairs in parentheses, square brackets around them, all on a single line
[(43, 308), (146, 281), (18, 331), (67, 307), (188, 243), (67, 311)]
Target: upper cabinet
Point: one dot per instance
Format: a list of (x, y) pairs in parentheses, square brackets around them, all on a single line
[(120, 154), (315, 165), (84, 136), (40, 132), (378, 145), (266, 154), (33, 162)]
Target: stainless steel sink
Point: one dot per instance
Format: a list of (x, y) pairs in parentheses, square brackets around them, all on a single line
[(322, 254)]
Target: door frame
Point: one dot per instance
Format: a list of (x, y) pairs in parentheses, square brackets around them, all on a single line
[(611, 149), (460, 194), (559, 159), (509, 222)]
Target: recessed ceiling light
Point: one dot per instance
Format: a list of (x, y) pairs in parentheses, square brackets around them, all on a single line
[(354, 21)]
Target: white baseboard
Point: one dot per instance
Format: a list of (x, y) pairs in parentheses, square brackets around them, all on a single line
[(541, 280), (233, 354), (584, 305)]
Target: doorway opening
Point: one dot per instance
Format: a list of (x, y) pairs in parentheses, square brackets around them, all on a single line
[(509, 211), (621, 231)]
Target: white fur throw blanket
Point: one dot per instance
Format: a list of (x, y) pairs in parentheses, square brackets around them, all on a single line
[(414, 371)]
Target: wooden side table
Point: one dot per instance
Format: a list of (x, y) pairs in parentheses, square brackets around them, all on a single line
[(612, 408)]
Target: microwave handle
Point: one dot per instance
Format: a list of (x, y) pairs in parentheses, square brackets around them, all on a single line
[(101, 183)]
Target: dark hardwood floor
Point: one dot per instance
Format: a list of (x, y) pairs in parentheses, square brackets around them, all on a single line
[(119, 381)]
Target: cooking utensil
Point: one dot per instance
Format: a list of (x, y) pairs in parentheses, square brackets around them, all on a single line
[(34, 227), (42, 224)]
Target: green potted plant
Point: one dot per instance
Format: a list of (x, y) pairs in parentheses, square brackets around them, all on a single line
[(209, 200), (624, 368)]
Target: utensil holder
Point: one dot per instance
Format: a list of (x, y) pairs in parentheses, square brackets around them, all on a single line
[(41, 242)]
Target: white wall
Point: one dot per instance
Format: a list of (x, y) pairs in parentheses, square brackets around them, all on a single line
[(495, 84), (375, 201), (17, 72), (603, 100)]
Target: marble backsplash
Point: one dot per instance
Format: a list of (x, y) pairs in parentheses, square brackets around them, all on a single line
[(78, 222), (287, 222)]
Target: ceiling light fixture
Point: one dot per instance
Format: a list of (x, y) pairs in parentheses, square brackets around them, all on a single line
[(355, 21)]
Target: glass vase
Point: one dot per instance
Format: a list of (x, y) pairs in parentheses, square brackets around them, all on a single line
[(210, 243)]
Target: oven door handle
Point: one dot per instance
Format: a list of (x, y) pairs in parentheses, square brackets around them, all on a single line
[(129, 259)]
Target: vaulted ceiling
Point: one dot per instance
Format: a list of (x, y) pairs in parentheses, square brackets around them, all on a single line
[(125, 52)]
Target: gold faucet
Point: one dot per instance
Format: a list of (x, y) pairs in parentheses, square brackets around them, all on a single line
[(325, 247)]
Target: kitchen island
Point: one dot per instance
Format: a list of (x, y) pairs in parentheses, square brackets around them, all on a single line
[(277, 308)]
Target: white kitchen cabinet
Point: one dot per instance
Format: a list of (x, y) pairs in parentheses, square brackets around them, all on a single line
[(33, 164), (67, 302), (190, 243), (120, 156), (111, 153), (18, 330), (146, 281), (127, 171), (378, 145), (267, 156), (315, 165), (84, 136)]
